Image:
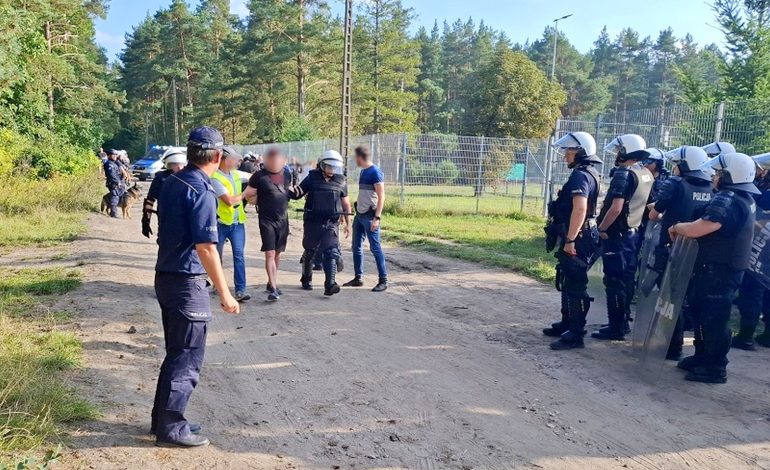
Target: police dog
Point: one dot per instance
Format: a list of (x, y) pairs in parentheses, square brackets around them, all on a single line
[(127, 200)]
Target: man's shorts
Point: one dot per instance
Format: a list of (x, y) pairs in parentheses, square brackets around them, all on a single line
[(274, 234)]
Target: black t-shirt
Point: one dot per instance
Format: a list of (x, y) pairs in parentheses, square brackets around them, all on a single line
[(272, 193)]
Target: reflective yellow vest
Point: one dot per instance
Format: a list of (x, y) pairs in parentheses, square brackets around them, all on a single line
[(226, 213)]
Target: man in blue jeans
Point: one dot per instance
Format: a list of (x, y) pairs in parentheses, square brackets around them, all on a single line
[(366, 224), (231, 218)]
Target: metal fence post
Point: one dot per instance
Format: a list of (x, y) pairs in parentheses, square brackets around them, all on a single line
[(719, 121), (479, 182), (403, 167), (524, 177)]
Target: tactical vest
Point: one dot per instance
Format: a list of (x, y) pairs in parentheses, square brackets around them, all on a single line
[(564, 201), (226, 213), (731, 248), (324, 198), (634, 208), (693, 199)]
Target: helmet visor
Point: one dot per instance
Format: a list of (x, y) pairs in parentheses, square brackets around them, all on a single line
[(762, 160), (332, 166)]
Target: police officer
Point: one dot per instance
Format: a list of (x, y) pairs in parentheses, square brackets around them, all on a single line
[(656, 163), (724, 233), (572, 221), (174, 162), (753, 297), (681, 198), (187, 239), (327, 199), (619, 222), (114, 174)]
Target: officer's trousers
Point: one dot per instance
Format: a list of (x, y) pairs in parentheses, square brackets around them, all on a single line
[(753, 301), (620, 258), (116, 192), (185, 309), (572, 280), (713, 288), (321, 237)]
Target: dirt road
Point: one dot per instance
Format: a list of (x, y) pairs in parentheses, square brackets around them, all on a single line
[(447, 370)]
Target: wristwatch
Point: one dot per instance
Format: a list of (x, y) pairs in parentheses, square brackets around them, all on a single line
[(377, 217), (568, 241)]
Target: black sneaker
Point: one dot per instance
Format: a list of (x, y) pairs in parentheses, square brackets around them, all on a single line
[(269, 289), (607, 333), (707, 376), (381, 286), (273, 296), (332, 289), (355, 282), (242, 296), (193, 440)]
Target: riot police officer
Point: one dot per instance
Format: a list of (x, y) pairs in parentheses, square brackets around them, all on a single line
[(681, 198), (174, 162), (619, 222), (187, 240), (327, 200), (572, 223), (724, 233), (115, 185)]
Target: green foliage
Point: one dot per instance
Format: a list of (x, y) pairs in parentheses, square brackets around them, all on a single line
[(295, 129), (444, 172)]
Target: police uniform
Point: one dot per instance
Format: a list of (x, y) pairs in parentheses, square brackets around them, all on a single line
[(114, 184), (323, 208), (187, 210), (723, 257), (679, 199), (572, 271), (620, 248)]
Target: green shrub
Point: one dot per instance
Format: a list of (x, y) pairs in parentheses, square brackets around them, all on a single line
[(46, 157), (443, 173)]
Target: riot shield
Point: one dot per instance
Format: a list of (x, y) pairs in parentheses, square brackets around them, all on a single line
[(668, 303), (760, 249), (597, 315), (647, 289)]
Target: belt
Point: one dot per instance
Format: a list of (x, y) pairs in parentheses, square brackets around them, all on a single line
[(183, 275)]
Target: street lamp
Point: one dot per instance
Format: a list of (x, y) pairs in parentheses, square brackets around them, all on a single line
[(555, 41)]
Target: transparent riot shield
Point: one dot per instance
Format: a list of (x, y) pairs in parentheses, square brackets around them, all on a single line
[(760, 249), (597, 315), (668, 304), (647, 289)]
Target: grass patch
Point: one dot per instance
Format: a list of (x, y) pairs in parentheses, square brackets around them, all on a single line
[(514, 242), (34, 356)]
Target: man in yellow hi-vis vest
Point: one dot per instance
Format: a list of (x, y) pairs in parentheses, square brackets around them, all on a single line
[(231, 218)]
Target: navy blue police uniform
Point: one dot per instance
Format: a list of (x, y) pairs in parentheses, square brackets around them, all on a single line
[(753, 297), (153, 194), (114, 184), (621, 247), (723, 257), (323, 208), (572, 271), (679, 199), (187, 210)]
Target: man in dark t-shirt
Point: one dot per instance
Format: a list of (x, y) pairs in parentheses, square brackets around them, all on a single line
[(269, 190)]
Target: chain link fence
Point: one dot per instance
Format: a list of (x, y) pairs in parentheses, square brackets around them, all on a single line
[(449, 174)]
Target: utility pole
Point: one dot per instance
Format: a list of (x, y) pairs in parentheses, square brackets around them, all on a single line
[(555, 42), (346, 73), (176, 121)]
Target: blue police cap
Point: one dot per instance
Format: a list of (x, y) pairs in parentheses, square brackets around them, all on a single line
[(206, 138)]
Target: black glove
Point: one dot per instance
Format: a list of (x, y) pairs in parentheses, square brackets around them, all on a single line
[(146, 228)]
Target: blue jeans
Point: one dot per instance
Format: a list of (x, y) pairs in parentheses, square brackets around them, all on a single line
[(362, 230), (236, 233)]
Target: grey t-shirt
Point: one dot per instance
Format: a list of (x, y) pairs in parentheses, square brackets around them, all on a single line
[(367, 197)]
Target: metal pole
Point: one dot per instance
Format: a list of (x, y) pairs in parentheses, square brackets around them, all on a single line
[(524, 177), (176, 122), (555, 42), (720, 120), (403, 168), (479, 181), (345, 115)]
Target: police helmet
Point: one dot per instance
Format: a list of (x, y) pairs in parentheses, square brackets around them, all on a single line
[(628, 147), (331, 159), (690, 161), (178, 156), (736, 171), (762, 160), (583, 142), (718, 148)]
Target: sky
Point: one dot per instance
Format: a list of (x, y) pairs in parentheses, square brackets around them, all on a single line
[(521, 20)]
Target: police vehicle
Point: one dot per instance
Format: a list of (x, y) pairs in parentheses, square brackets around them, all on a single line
[(146, 167)]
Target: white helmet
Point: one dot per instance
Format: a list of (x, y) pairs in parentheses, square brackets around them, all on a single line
[(628, 147), (176, 156), (718, 148), (762, 160), (737, 171), (690, 161), (333, 160), (582, 141)]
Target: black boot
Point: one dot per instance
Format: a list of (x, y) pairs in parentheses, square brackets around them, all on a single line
[(577, 310), (744, 339), (691, 362), (616, 311), (307, 271), (382, 285), (560, 327), (708, 375), (763, 339), (330, 270)]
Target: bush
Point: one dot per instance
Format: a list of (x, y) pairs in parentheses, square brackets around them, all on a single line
[(46, 157), (443, 173)]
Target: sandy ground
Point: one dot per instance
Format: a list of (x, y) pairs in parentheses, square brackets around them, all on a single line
[(446, 370)]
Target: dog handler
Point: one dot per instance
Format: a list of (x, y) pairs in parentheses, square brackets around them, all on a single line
[(187, 238)]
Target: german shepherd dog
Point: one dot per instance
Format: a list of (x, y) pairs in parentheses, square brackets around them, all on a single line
[(127, 200)]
